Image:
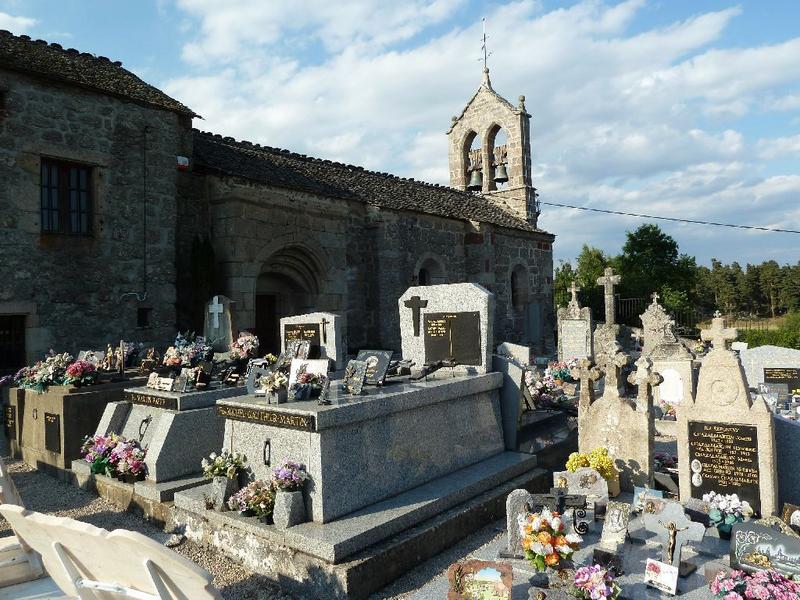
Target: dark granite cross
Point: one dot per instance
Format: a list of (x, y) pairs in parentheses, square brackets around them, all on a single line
[(324, 324), (415, 304), (557, 501)]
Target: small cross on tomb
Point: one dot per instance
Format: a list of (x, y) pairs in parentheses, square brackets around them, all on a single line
[(611, 364), (587, 374), (324, 324), (557, 501), (415, 304), (608, 281), (215, 310), (655, 297), (674, 530), (645, 379), (719, 335), (574, 289)]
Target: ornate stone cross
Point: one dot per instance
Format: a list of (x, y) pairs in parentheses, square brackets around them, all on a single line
[(719, 335), (611, 362), (415, 304), (215, 309), (673, 529), (324, 324), (587, 374), (645, 379), (608, 281), (558, 500), (574, 289), (655, 297)]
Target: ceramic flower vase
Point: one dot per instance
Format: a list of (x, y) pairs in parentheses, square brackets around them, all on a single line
[(290, 510), (223, 488), (278, 397), (613, 485)]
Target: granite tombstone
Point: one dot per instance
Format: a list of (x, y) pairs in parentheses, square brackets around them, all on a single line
[(324, 331), (219, 327), (574, 329)]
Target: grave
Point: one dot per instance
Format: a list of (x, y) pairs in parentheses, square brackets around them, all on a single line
[(219, 330), (46, 430), (772, 364), (574, 329), (607, 332), (726, 441), (412, 464), (622, 425), (451, 324), (324, 331)]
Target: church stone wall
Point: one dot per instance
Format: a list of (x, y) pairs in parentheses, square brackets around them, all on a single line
[(71, 287)]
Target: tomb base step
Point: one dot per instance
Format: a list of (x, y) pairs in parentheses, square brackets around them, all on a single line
[(362, 552)]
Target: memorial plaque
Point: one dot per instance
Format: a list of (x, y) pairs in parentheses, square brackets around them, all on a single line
[(756, 547), (263, 416), (10, 422), (574, 342), (377, 365), (149, 400), (354, 375), (723, 458), (788, 376), (52, 432), (303, 332), (453, 337)]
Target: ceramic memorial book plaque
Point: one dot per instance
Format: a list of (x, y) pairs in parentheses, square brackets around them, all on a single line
[(726, 441), (354, 375), (615, 528), (377, 364)]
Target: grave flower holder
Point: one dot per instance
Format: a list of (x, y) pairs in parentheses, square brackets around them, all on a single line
[(289, 510), (614, 489), (223, 488), (279, 396)]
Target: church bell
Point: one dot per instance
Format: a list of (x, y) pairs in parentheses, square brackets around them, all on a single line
[(475, 181), (500, 174)]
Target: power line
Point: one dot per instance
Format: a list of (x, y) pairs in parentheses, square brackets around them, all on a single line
[(627, 214)]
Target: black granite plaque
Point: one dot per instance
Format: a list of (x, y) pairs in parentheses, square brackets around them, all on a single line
[(308, 332), (377, 364), (150, 400), (453, 337), (52, 432), (786, 375), (263, 416), (756, 547), (723, 458), (10, 422)]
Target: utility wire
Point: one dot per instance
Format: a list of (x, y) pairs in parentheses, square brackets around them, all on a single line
[(627, 214)]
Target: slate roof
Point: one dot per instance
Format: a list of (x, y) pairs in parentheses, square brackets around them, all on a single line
[(21, 53), (283, 168)]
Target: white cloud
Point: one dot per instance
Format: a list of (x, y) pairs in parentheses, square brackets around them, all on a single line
[(651, 119), (17, 25)]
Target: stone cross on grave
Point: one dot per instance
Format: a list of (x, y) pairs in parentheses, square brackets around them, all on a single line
[(673, 530), (608, 281), (557, 501), (574, 289), (587, 374), (645, 379), (655, 297), (415, 304), (215, 310), (719, 335), (611, 362)]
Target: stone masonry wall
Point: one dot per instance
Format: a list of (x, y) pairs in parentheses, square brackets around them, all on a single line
[(70, 287)]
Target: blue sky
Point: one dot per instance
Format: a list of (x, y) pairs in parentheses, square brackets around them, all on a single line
[(676, 108)]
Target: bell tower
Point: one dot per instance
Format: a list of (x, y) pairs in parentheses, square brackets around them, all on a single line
[(499, 171)]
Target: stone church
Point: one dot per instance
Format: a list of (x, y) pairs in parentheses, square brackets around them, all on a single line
[(118, 220)]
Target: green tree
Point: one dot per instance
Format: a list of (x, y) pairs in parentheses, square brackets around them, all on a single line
[(590, 265), (563, 278), (770, 281)]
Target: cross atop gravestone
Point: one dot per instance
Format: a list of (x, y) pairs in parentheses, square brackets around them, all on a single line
[(608, 281), (587, 374), (416, 304), (218, 328), (215, 310), (574, 289), (645, 379), (658, 327), (718, 334), (611, 362), (673, 530), (324, 325)]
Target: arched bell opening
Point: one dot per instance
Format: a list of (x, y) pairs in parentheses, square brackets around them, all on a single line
[(473, 162), (496, 146), (288, 284)]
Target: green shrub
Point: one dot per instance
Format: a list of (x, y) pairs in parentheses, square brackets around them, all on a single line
[(787, 335)]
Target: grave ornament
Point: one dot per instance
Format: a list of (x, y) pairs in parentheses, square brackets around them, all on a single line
[(673, 530), (608, 331), (645, 379), (218, 327)]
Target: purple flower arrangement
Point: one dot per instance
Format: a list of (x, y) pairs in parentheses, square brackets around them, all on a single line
[(763, 585), (114, 456), (289, 476), (594, 583), (257, 497)]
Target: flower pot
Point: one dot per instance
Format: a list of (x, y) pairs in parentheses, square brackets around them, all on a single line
[(613, 486), (290, 510), (223, 488), (724, 531), (278, 397)]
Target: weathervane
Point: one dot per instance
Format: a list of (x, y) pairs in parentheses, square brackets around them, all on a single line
[(486, 53)]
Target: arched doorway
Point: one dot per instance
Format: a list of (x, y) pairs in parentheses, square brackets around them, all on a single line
[(288, 284)]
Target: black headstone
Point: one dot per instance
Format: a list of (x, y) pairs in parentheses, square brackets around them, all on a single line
[(377, 364), (453, 337), (303, 332), (723, 458), (785, 375), (52, 432)]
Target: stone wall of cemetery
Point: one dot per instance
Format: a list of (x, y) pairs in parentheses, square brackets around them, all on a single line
[(72, 288)]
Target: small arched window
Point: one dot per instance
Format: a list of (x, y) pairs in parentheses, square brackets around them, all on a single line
[(519, 288), (429, 271)]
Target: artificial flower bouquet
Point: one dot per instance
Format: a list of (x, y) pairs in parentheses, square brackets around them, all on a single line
[(665, 460), (725, 510), (764, 585), (594, 583), (290, 476), (546, 394), (257, 497), (544, 542), (81, 373), (272, 383), (50, 371), (115, 456), (561, 371), (186, 350), (270, 358), (244, 347), (226, 464), (599, 459)]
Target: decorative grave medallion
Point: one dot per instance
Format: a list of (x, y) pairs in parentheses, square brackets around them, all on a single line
[(453, 338), (354, 375), (377, 365), (473, 579), (615, 528), (757, 547)]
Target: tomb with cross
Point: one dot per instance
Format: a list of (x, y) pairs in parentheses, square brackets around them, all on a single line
[(325, 332), (609, 331), (574, 329), (219, 328), (645, 378), (673, 530)]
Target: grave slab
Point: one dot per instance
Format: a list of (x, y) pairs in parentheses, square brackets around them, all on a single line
[(755, 360), (325, 331)]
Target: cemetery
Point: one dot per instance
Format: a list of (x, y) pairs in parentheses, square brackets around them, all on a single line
[(344, 384)]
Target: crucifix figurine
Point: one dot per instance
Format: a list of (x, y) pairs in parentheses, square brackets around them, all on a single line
[(719, 335), (673, 530), (415, 304), (608, 281)]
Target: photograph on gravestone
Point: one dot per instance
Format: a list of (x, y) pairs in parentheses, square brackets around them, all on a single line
[(354, 375), (756, 547), (377, 364), (453, 338), (785, 375), (309, 332), (52, 432), (480, 580), (723, 458)]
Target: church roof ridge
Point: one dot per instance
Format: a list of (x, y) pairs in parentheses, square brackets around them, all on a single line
[(284, 168), (486, 84), (51, 60)]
